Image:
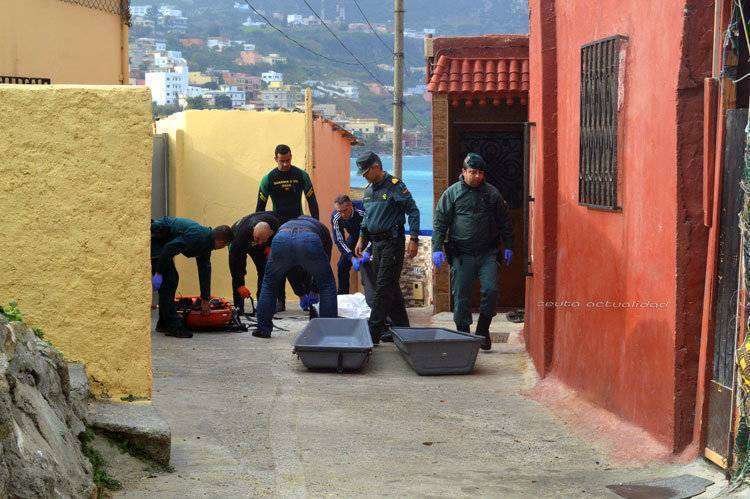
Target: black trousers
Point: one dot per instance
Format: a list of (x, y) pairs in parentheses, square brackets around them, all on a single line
[(168, 316), (387, 300)]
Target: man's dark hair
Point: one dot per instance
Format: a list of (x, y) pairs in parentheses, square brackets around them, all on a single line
[(223, 233), (342, 199), (282, 149)]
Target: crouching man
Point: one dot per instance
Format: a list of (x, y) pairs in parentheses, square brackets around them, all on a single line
[(303, 242), (170, 237)]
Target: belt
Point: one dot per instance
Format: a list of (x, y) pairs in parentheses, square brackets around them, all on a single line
[(384, 236), (296, 229)]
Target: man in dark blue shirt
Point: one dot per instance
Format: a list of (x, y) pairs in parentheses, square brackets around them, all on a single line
[(303, 242), (346, 220), (170, 237)]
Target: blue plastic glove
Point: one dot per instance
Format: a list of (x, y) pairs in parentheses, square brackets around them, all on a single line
[(507, 256), (438, 258), (304, 302), (156, 281), (314, 298), (366, 257), (356, 263)]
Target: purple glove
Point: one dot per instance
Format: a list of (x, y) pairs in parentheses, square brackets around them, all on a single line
[(438, 258), (508, 256), (304, 302), (356, 263), (366, 257), (156, 281)]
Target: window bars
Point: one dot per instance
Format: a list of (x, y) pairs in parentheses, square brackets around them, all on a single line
[(24, 80), (597, 170), (118, 7)]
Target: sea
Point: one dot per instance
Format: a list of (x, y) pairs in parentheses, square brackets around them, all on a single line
[(417, 173)]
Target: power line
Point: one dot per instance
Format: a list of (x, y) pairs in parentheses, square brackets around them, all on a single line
[(375, 32), (295, 41), (357, 59)]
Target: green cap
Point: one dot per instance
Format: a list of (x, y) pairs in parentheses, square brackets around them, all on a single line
[(365, 161), (475, 161)]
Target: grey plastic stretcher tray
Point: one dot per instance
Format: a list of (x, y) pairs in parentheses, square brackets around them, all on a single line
[(336, 344), (432, 351)]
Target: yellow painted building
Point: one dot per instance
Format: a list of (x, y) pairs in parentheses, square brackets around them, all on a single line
[(64, 40), (217, 159), (75, 198)]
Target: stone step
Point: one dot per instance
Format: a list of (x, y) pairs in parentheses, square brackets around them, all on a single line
[(138, 423)]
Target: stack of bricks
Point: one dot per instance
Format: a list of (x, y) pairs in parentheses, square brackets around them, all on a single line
[(416, 276)]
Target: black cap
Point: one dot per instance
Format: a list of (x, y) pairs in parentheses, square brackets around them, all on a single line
[(365, 161), (475, 161)]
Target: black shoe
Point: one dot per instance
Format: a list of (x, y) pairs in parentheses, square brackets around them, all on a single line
[(179, 333), (464, 329), (375, 338), (386, 337), (160, 327), (280, 306), (261, 334), (483, 330)]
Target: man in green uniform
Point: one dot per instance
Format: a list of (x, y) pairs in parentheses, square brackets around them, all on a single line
[(170, 237), (471, 219), (285, 185), (387, 203)]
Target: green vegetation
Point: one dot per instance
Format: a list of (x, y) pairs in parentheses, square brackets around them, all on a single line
[(99, 465), (12, 312)]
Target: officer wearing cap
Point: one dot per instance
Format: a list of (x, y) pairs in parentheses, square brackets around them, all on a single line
[(387, 203), (471, 220)]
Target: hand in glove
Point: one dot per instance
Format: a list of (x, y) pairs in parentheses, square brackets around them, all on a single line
[(244, 292), (366, 257), (438, 258), (356, 263), (507, 256), (156, 281)]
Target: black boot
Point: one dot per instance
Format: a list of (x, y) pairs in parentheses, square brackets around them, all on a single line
[(178, 332), (463, 329), (483, 330)]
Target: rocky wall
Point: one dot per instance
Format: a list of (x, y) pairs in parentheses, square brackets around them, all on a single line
[(416, 277), (42, 412)]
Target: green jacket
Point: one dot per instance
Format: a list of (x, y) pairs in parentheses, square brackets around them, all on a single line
[(387, 204), (474, 220), (171, 236)]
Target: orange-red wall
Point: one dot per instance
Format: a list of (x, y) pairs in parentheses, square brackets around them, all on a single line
[(639, 363), (330, 176)]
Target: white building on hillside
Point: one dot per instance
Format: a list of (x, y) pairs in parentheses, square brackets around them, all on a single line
[(272, 76), (139, 10), (167, 86)]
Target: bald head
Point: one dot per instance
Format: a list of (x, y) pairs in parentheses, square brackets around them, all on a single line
[(262, 233)]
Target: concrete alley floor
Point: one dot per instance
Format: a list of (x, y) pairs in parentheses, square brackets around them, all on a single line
[(248, 419)]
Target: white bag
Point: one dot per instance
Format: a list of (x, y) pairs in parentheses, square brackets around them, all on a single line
[(351, 306)]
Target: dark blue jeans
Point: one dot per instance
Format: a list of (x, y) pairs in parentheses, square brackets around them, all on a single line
[(291, 248)]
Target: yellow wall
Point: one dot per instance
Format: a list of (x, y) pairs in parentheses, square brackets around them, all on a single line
[(63, 41), (217, 159), (75, 198)]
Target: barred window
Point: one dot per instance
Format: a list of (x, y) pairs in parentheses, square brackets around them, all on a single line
[(118, 7), (24, 80), (600, 81)]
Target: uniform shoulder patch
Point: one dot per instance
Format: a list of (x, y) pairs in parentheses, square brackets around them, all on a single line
[(395, 181)]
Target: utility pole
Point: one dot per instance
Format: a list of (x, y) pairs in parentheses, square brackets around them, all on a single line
[(398, 86)]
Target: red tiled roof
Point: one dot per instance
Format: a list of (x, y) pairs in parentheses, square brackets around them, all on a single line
[(466, 75)]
